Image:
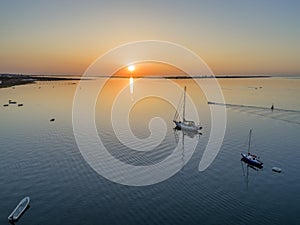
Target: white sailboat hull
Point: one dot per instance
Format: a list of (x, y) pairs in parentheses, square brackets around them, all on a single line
[(187, 127), (185, 124)]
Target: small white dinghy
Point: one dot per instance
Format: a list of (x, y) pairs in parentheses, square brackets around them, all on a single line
[(19, 210), (276, 169)]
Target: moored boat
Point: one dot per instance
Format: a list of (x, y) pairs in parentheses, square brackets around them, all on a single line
[(276, 169), (185, 124), (251, 158), (19, 210)]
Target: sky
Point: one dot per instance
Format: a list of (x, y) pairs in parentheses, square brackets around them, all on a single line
[(232, 36)]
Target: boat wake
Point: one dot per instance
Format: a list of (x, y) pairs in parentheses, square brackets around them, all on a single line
[(285, 115)]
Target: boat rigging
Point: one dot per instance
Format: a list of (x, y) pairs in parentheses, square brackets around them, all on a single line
[(187, 125), (250, 158)]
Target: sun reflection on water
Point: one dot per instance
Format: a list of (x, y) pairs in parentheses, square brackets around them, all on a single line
[(131, 85)]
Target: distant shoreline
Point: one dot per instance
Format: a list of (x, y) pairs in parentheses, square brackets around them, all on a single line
[(186, 77), (10, 80)]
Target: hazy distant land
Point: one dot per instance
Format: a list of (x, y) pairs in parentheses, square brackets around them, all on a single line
[(10, 80)]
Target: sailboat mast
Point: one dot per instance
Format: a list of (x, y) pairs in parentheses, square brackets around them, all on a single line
[(250, 132), (184, 97)]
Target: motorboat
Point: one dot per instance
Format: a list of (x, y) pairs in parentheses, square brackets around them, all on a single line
[(19, 210)]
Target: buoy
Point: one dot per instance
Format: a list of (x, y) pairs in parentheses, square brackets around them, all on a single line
[(276, 169)]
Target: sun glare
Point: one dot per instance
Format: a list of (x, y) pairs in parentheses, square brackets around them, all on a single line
[(131, 68)]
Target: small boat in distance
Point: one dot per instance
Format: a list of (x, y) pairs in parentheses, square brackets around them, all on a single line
[(185, 124), (276, 169), (250, 158), (19, 210)]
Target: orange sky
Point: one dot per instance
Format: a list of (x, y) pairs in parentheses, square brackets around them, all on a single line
[(232, 37), (150, 69)]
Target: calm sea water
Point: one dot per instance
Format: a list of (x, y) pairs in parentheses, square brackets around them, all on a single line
[(41, 159)]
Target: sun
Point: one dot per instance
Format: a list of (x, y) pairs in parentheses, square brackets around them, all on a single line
[(131, 68)]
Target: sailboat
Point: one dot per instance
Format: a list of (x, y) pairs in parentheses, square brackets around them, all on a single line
[(250, 158), (186, 125)]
